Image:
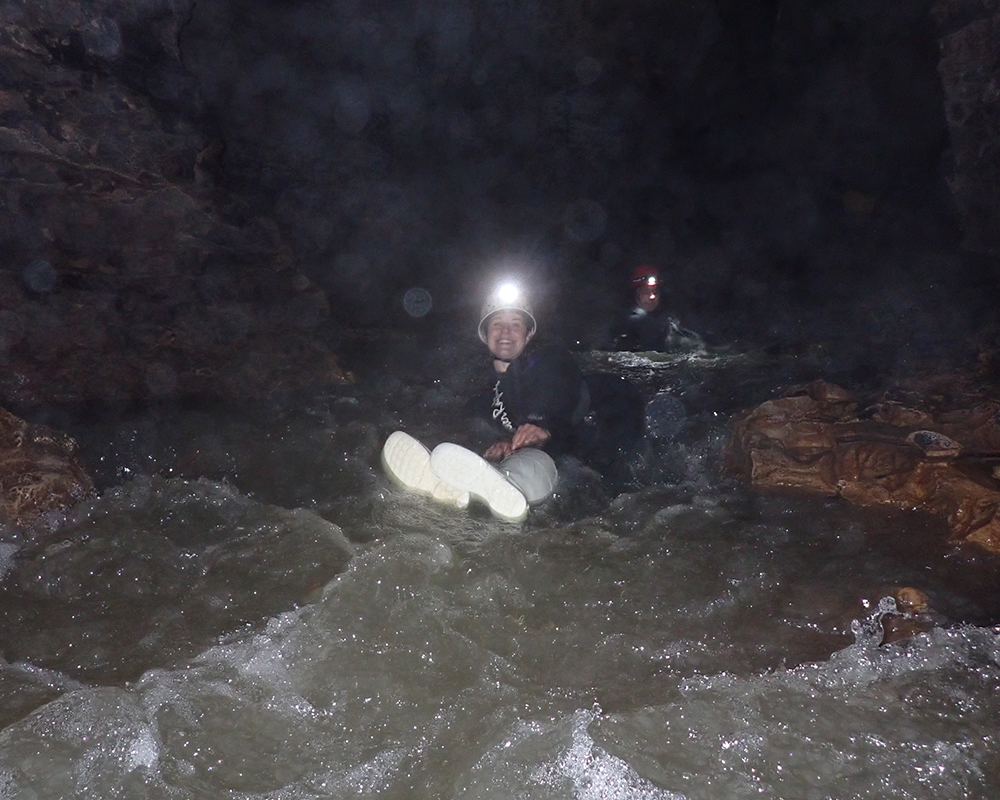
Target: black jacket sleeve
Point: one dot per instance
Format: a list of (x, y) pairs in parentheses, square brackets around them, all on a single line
[(545, 388)]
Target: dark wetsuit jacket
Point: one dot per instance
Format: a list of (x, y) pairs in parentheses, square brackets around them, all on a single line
[(593, 416), (641, 331), (543, 387)]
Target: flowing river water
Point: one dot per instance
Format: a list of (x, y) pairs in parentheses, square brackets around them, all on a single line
[(251, 610)]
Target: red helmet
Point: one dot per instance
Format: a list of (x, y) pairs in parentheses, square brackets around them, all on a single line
[(645, 275)]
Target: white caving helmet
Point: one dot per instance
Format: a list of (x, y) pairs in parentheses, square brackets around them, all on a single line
[(506, 297)]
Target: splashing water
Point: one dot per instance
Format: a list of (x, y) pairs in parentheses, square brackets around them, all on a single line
[(291, 626)]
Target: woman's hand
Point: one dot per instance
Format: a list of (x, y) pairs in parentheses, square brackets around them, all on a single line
[(526, 435), (498, 451), (529, 435)]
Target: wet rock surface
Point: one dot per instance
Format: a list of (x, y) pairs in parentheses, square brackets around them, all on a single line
[(933, 450), (39, 471)]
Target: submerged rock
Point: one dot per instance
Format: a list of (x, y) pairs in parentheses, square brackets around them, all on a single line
[(938, 460), (39, 471)]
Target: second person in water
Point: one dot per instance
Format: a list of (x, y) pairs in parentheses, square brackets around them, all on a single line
[(645, 326)]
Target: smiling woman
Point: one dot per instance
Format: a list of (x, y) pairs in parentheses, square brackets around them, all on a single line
[(507, 334), (509, 297)]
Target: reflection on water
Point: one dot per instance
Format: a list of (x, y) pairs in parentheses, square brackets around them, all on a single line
[(259, 614)]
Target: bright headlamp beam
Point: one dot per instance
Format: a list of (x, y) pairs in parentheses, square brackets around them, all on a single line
[(508, 292)]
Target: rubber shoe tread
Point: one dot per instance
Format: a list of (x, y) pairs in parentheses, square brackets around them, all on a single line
[(408, 462), (465, 470)]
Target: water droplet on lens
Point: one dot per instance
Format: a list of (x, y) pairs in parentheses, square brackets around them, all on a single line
[(417, 302), (40, 276)]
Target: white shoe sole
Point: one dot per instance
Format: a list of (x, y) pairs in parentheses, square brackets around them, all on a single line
[(408, 463), (465, 470)]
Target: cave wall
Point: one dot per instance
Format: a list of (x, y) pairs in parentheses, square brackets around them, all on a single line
[(970, 73), (126, 272)]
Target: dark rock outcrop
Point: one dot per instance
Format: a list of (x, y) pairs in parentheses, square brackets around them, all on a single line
[(125, 271)]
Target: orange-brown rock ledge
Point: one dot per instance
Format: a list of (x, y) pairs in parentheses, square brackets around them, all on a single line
[(820, 439)]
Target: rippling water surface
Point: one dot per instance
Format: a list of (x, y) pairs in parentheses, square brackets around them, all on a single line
[(250, 610)]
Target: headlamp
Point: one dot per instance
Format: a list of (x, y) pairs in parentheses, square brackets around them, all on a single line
[(508, 293), (510, 297)]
